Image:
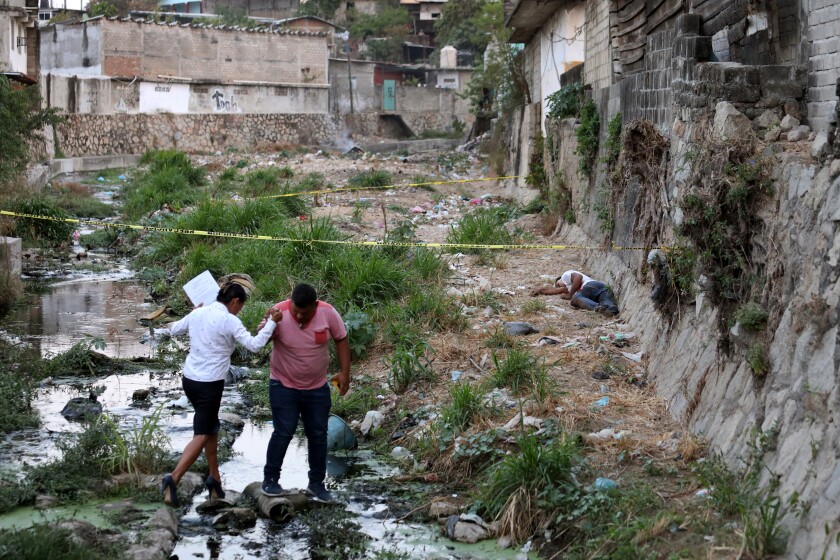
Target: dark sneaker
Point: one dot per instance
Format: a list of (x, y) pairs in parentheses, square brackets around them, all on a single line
[(319, 493), (272, 488)]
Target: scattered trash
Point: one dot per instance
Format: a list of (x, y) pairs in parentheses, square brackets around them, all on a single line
[(402, 454), (571, 344), (607, 434), (604, 389), (372, 420), (467, 528), (602, 402), (183, 402), (601, 484), (339, 434), (100, 179), (633, 357), (600, 375), (519, 328), (703, 492), (547, 341), (517, 421), (456, 375), (418, 210), (236, 373), (122, 177), (618, 339)]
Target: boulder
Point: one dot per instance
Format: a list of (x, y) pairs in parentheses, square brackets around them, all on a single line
[(165, 518), (442, 510), (140, 395), (797, 135), (767, 119), (820, 146), (788, 123), (81, 408), (730, 123), (772, 134), (45, 501), (235, 518)]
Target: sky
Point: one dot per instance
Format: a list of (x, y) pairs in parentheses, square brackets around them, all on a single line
[(68, 4)]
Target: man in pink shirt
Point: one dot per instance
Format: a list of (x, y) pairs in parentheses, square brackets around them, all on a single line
[(298, 385)]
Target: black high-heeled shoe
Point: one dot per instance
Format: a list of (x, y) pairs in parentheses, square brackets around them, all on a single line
[(215, 488), (169, 484)]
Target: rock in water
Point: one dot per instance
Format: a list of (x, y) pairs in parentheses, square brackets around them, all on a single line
[(80, 408)]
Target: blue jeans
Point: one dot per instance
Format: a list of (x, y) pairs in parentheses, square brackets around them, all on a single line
[(596, 293), (287, 405)]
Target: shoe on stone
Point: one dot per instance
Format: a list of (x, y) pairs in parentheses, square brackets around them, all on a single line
[(270, 487), (319, 493)]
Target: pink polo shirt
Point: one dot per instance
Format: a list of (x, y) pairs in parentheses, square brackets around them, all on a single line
[(300, 357)]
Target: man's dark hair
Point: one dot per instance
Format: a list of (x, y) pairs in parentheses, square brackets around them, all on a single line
[(231, 291), (304, 295)]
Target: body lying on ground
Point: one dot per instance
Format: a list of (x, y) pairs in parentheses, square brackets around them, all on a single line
[(583, 292)]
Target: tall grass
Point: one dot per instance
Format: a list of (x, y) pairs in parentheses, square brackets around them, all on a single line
[(47, 541), (369, 179), (532, 486), (17, 389), (485, 226), (41, 231), (465, 403), (170, 180), (521, 372)]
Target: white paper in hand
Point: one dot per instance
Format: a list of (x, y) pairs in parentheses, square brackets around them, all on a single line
[(202, 289)]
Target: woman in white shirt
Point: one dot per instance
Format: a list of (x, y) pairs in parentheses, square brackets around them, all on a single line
[(214, 331)]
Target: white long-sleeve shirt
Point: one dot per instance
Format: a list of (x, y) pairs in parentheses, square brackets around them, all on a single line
[(214, 332)]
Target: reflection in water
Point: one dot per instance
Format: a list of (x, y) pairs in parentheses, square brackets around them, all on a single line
[(101, 308)]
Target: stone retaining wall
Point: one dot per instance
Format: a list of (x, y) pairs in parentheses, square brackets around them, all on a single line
[(93, 135)]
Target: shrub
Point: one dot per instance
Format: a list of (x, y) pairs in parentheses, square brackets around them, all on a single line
[(370, 179), (531, 487), (751, 316), (465, 403), (485, 226), (154, 189), (267, 181), (565, 102), (17, 390), (48, 541), (53, 232), (360, 332), (757, 359), (587, 137)]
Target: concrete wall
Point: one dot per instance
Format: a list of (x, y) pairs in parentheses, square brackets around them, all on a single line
[(561, 42), (103, 96), (598, 71), (13, 58), (823, 33), (88, 135), (149, 50)]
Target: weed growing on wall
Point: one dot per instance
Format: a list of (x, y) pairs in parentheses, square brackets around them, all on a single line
[(587, 138), (565, 102)]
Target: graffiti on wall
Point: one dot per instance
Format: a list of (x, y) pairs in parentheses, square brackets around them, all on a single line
[(224, 104)]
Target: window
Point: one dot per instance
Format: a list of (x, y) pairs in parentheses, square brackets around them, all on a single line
[(21, 41)]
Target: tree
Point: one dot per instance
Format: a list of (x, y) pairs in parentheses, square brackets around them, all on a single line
[(110, 8), (384, 33), (499, 82), (321, 8), (21, 122), (460, 26)]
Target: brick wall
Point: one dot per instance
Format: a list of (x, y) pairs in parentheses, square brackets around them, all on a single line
[(149, 50), (790, 31), (598, 71), (647, 94), (89, 135), (823, 62)]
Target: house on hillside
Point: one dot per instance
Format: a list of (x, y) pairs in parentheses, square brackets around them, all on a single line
[(424, 13), (113, 65), (273, 9), (19, 40)]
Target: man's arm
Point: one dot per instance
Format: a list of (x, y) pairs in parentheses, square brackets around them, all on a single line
[(577, 284), (342, 349)]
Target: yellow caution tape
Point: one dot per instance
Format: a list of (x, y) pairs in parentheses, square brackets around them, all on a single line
[(204, 233), (347, 189)]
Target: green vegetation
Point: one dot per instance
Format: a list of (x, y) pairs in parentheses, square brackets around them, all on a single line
[(21, 122), (485, 226), (522, 373), (49, 232), (17, 390), (321, 8), (80, 359), (47, 541), (410, 363), (612, 146), (268, 181), (587, 137), (465, 403), (360, 399), (751, 316), (757, 359), (370, 179), (171, 180), (384, 32), (565, 102), (499, 83), (720, 220)]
